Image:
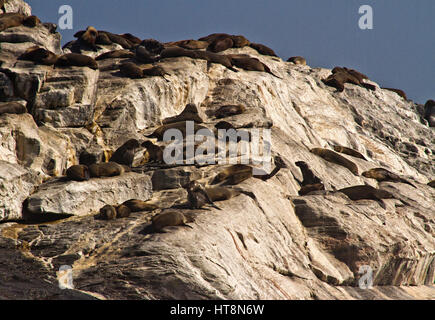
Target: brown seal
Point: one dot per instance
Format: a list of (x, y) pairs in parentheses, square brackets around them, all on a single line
[(78, 173), (155, 71), (251, 64), (306, 189), (138, 205), (220, 45), (123, 53), (145, 56), (381, 174), (176, 52), (222, 193), (103, 39), (131, 70), (181, 126), (107, 212), (240, 41), (297, 60), (190, 112), (334, 157), (213, 57), (12, 108), (153, 46), (197, 196), (309, 178), (262, 49), (431, 184), (77, 60), (31, 21), (116, 38), (106, 169), (39, 56), (155, 152), (133, 39), (169, 219), (214, 36), (429, 112), (340, 76), (10, 20), (349, 152), (125, 153), (88, 38), (190, 44), (398, 91), (367, 192), (122, 211), (229, 110)]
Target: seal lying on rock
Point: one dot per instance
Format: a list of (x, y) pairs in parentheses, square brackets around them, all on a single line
[(39, 56), (398, 91), (381, 174), (106, 169), (169, 219), (367, 192), (349, 152), (116, 54), (77, 60), (78, 173), (229, 110), (197, 196), (298, 60), (138, 205), (262, 49), (125, 153), (334, 157), (340, 76)]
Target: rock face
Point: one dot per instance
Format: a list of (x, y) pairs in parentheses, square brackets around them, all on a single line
[(266, 243)]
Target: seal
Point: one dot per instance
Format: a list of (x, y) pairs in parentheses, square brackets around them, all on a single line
[(116, 38), (103, 39), (12, 108), (106, 169), (334, 157), (133, 39), (39, 56), (348, 151), (131, 70), (431, 184), (138, 205), (169, 219), (306, 189), (219, 193), (262, 49), (155, 71), (77, 60), (88, 38), (125, 153), (367, 192), (214, 36), (10, 20), (153, 46), (122, 211), (340, 76), (381, 174), (107, 212), (251, 64), (220, 45), (145, 56), (155, 152), (197, 196), (213, 57), (181, 126), (240, 41), (78, 173), (229, 110), (31, 21), (176, 52), (298, 60), (190, 113), (115, 54), (190, 44), (429, 112), (309, 178), (233, 175), (398, 91)]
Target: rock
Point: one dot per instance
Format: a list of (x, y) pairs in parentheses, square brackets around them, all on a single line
[(82, 198)]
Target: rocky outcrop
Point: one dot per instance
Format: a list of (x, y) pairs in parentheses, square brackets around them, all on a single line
[(266, 243)]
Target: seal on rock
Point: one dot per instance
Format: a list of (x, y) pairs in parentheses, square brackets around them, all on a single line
[(251, 64), (367, 192), (133, 39), (122, 211), (169, 219), (138, 205), (106, 169), (190, 44), (348, 151), (220, 45), (334, 157), (262, 49), (381, 174), (429, 112), (88, 38), (77, 60), (155, 152), (398, 91), (306, 189), (431, 184), (107, 212), (131, 70), (78, 173), (123, 53), (12, 108), (190, 113), (298, 60), (125, 153), (309, 178), (39, 56), (197, 196), (229, 110), (155, 71), (181, 126)]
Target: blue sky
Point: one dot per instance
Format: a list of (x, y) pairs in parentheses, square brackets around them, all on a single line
[(399, 52)]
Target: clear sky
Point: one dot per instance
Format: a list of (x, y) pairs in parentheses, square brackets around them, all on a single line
[(399, 52)]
